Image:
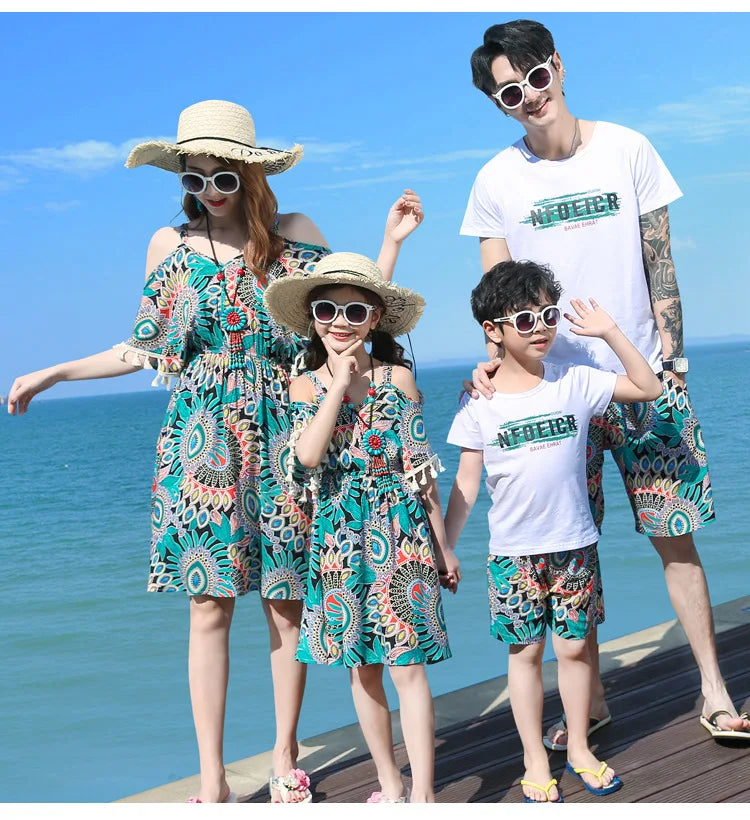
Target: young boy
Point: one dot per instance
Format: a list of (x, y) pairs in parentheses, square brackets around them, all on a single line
[(531, 438)]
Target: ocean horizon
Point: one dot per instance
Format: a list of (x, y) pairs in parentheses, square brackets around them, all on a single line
[(94, 689)]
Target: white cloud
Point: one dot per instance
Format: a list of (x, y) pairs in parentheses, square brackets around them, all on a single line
[(437, 159), (59, 207), (395, 177), (705, 117), (78, 157), (683, 244)]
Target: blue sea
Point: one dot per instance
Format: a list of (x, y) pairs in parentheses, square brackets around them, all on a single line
[(94, 696)]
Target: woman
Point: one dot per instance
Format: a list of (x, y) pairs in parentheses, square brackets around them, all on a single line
[(222, 523)]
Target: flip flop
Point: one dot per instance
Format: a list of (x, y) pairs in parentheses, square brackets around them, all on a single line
[(614, 786), (230, 798), (594, 724), (379, 797), (544, 789), (711, 725), (296, 781)]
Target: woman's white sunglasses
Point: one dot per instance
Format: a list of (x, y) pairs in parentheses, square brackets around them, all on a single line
[(223, 182)]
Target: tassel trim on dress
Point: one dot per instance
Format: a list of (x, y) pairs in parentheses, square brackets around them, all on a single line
[(417, 478), (144, 359)]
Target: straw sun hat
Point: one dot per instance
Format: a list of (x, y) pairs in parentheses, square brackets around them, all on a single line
[(220, 129), (288, 298)]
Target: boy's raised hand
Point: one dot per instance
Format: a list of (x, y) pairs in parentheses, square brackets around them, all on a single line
[(405, 216), (593, 321), (343, 365)]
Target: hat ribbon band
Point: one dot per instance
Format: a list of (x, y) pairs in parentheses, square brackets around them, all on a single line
[(219, 139)]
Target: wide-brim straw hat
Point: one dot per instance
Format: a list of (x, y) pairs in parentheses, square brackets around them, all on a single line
[(217, 128), (288, 298)]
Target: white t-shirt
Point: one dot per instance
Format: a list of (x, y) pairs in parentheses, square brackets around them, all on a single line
[(580, 216), (534, 447)]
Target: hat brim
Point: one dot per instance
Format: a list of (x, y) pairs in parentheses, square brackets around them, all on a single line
[(287, 300), (167, 156)]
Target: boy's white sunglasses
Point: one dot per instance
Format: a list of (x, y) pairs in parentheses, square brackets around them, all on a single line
[(525, 320), (539, 78)]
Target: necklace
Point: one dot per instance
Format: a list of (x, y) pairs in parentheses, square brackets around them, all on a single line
[(571, 151), (232, 318)]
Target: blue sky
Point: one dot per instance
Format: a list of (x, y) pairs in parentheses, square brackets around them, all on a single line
[(380, 102)]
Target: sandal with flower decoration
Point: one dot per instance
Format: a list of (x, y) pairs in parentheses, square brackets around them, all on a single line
[(230, 798), (379, 797), (286, 784)]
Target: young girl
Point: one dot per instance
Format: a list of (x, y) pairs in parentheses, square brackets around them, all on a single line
[(373, 591)]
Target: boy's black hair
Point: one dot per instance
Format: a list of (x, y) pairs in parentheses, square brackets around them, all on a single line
[(525, 43), (512, 286)]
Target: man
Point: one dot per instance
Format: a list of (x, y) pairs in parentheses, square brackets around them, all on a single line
[(590, 200)]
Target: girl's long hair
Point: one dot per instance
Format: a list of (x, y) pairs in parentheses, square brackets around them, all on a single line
[(384, 347), (260, 210)]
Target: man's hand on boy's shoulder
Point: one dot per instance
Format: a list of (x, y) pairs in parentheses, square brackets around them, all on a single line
[(481, 380)]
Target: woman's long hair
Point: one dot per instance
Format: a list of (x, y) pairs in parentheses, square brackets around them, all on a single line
[(260, 210), (384, 347)]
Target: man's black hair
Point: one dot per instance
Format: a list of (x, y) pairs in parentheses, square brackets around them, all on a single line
[(512, 286), (525, 43)]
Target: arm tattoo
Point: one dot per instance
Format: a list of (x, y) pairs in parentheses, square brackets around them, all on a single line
[(661, 279)]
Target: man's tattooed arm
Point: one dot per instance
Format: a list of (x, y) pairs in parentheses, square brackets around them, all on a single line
[(662, 282)]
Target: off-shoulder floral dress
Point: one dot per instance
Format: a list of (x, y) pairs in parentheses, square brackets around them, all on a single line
[(223, 521), (373, 594)]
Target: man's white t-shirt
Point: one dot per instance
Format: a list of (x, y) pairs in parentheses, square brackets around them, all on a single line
[(581, 216), (534, 448)]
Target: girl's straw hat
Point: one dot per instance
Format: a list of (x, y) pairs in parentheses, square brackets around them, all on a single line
[(220, 129), (288, 298)]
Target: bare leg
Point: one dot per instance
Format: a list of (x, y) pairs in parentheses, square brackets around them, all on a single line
[(208, 666), (599, 709), (526, 692), (574, 682), (688, 593), (375, 721), (289, 675), (418, 725)]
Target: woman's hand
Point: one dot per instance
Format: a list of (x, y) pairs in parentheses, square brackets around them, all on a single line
[(26, 387), (405, 216)]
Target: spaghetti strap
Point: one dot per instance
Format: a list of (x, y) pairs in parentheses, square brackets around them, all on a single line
[(183, 230), (315, 379), (387, 373)]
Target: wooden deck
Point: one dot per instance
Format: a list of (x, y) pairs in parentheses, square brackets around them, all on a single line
[(655, 742)]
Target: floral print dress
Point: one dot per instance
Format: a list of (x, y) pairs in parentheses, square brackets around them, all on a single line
[(223, 521), (373, 595)]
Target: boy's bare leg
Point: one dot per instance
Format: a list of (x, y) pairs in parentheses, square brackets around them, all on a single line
[(574, 665), (526, 692), (557, 732)]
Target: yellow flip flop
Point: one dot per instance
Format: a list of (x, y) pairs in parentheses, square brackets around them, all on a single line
[(544, 789)]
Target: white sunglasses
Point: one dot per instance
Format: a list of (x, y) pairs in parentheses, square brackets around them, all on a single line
[(224, 182), (539, 78), (525, 320)]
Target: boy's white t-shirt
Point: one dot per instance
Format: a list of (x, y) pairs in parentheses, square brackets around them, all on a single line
[(534, 447), (581, 216)]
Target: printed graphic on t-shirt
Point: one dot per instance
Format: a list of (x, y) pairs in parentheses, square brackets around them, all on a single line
[(573, 210), (547, 428)]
